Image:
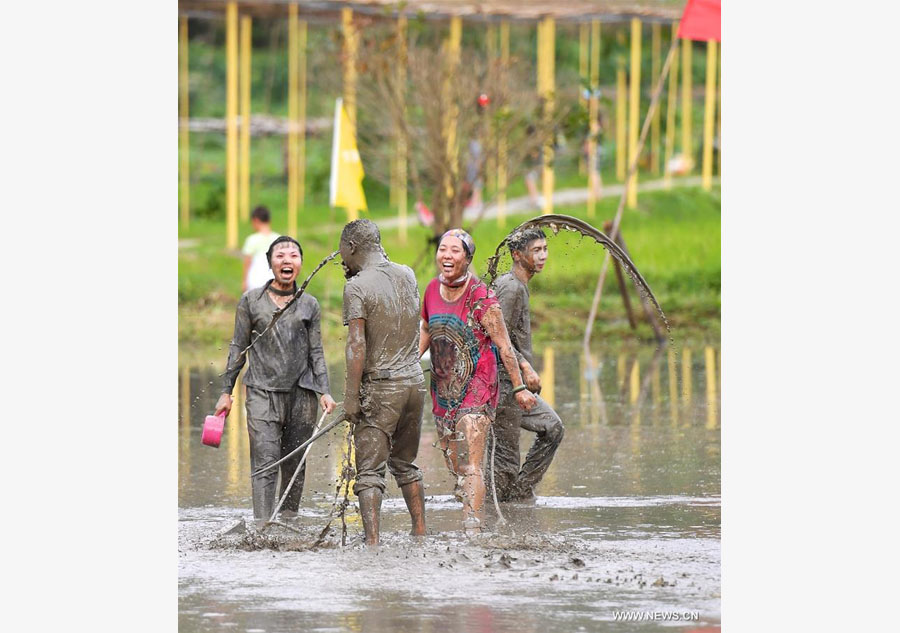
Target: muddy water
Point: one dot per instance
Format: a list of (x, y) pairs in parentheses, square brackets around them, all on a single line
[(627, 519)]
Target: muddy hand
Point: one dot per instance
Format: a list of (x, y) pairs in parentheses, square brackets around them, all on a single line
[(532, 380), (327, 403), (224, 404), (352, 410), (525, 399)]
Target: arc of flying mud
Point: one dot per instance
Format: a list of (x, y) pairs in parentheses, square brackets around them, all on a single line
[(277, 314), (555, 222)]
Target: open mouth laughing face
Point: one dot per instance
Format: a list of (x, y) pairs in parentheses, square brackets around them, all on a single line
[(286, 263), (451, 258)]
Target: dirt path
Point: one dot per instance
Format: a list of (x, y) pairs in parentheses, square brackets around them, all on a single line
[(564, 197)]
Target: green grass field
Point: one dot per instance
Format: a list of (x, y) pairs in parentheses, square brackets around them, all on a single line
[(673, 238)]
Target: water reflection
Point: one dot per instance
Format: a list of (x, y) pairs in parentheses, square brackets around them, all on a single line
[(588, 390), (711, 394), (634, 489)]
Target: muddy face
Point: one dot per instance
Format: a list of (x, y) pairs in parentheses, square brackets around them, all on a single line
[(286, 263), (534, 257), (348, 260), (452, 260)]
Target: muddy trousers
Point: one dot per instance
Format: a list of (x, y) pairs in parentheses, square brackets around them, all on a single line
[(514, 483), (278, 422), (388, 436)]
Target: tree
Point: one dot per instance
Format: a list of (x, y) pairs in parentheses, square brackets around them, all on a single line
[(432, 109)]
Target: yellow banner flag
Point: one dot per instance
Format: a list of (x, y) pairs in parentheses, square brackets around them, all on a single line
[(346, 167)]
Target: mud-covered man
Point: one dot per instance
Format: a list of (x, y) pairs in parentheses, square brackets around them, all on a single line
[(528, 249), (286, 375), (385, 389)]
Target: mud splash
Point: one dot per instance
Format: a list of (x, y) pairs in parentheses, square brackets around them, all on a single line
[(556, 222)]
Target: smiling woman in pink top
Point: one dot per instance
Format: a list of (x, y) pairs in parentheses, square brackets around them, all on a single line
[(463, 328)]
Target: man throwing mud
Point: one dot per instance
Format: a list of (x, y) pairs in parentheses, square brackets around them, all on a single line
[(528, 249), (385, 388), (285, 377)]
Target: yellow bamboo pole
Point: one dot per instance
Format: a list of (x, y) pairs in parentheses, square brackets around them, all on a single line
[(709, 113), (710, 387), (245, 75), (548, 379), (452, 47), (634, 101), (584, 41), (656, 45), (671, 108), (402, 200), (621, 113), (686, 89), (584, 34), (293, 111), (300, 139), (395, 156), (593, 111), (501, 141), (231, 140), (350, 52), (546, 63), (184, 138), (490, 167)]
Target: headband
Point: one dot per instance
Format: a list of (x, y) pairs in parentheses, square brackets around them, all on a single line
[(466, 239)]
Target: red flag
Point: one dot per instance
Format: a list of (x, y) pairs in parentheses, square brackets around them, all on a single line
[(701, 20)]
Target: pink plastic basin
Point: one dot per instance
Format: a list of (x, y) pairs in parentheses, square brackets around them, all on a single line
[(213, 426)]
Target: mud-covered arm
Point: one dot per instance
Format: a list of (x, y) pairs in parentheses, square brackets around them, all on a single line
[(424, 338), (510, 305), (356, 361), (239, 342), (494, 325), (317, 354), (492, 322)]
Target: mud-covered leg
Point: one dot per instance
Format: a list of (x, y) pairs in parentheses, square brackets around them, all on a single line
[(297, 430), (265, 448), (505, 455), (448, 449), (472, 429), (370, 509), (548, 427), (414, 496), (404, 449), (372, 450)]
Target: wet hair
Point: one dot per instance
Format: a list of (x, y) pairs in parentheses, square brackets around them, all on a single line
[(281, 240), (520, 240), (262, 214), (364, 233), (468, 243)]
